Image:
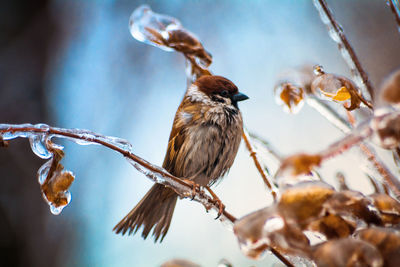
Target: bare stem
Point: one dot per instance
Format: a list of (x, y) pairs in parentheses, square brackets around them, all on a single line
[(253, 154), (395, 8), (337, 34)]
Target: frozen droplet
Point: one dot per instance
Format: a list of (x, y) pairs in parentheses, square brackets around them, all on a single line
[(38, 145), (151, 28), (43, 171), (57, 210)]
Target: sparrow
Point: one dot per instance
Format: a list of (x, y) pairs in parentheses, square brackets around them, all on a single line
[(202, 146)]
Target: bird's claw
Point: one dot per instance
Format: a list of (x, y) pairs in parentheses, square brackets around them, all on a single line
[(195, 187), (221, 207)]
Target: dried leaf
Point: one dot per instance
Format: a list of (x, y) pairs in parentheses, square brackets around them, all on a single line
[(168, 34), (300, 163), (331, 226), (388, 207), (386, 240), (347, 252), (353, 207), (55, 188), (390, 89), (268, 227), (303, 201), (289, 96), (386, 130), (337, 88)]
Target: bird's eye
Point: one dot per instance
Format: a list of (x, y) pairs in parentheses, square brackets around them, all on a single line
[(224, 93)]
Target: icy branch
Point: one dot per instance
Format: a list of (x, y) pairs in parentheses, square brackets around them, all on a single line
[(337, 34), (39, 132), (395, 8)]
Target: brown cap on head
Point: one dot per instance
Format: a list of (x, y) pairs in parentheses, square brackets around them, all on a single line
[(210, 84)]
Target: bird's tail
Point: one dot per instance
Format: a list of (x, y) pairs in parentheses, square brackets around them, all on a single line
[(154, 210)]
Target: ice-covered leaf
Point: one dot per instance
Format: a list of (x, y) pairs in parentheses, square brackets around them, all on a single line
[(168, 34), (386, 128), (303, 201), (337, 88), (289, 96), (386, 240), (347, 252), (269, 228), (388, 207)]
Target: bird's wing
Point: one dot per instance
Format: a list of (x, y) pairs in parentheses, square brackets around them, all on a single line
[(184, 117)]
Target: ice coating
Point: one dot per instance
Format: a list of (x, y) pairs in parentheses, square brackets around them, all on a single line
[(144, 26), (43, 172), (38, 145), (337, 88), (57, 210), (337, 34), (167, 33), (386, 129), (289, 96)]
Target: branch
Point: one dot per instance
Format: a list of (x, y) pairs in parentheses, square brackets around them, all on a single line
[(264, 175), (155, 173), (337, 34)]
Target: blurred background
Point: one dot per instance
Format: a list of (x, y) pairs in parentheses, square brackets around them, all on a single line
[(74, 64)]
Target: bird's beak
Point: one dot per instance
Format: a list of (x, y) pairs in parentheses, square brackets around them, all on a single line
[(239, 97)]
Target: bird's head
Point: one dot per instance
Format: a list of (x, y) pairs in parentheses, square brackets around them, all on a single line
[(218, 89)]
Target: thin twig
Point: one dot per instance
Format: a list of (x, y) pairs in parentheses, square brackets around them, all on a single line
[(368, 151), (395, 8), (345, 48), (253, 154), (387, 175), (266, 146)]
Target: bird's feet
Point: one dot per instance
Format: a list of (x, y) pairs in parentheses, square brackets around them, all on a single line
[(195, 187), (216, 201)]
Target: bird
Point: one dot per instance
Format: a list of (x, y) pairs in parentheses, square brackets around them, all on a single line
[(202, 146)]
